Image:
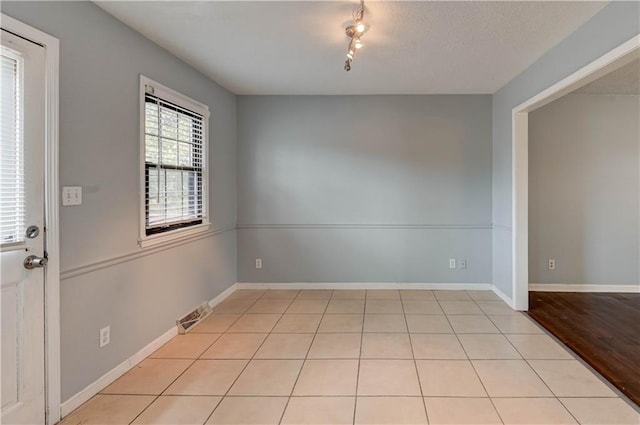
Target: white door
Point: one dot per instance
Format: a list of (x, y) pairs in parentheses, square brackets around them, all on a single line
[(22, 236)]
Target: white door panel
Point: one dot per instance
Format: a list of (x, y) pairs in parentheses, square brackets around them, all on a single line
[(22, 89)]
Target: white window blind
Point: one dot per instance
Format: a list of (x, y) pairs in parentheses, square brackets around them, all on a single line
[(174, 165), (12, 196)]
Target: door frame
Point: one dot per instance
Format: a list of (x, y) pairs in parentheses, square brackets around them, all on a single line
[(51, 203), (611, 60)]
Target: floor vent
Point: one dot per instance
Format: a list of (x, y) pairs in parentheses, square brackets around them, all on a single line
[(188, 321)]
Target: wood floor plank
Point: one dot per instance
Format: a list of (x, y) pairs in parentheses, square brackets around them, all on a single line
[(602, 328)]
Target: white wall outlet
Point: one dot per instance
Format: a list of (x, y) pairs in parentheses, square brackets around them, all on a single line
[(258, 263), (105, 336), (463, 264), (552, 264), (71, 195), (452, 263)]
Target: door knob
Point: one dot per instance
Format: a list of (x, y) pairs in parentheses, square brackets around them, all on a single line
[(33, 262)]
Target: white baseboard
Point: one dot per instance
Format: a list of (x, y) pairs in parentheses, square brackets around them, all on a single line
[(563, 287), (95, 387), (223, 295), (504, 297), (362, 285)]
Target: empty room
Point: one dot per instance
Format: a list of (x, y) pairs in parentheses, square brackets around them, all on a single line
[(320, 212)]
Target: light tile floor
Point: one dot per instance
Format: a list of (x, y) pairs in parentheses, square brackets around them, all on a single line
[(360, 357)]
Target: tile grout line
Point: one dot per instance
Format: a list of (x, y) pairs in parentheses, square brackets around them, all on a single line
[(305, 358), (413, 356), (185, 370), (355, 404)]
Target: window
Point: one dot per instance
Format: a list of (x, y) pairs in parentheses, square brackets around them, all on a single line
[(12, 194), (174, 176)]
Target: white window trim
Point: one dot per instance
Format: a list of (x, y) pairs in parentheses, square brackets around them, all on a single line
[(179, 99)]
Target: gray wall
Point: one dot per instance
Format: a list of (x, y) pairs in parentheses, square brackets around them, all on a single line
[(612, 26), (100, 63), (364, 188), (584, 188)]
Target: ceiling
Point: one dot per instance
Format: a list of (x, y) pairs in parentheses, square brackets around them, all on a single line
[(411, 47), (624, 80)]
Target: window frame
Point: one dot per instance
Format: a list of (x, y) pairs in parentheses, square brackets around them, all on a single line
[(163, 92)]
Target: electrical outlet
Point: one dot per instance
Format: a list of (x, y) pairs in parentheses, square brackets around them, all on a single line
[(71, 195), (552, 264), (452, 263), (463, 264), (105, 336), (258, 263)]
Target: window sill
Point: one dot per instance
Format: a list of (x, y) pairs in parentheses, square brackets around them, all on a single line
[(173, 236)]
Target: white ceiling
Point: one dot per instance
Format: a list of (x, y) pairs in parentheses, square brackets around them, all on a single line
[(624, 80), (411, 47)]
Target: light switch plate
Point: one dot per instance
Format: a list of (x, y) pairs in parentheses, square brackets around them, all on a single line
[(71, 195)]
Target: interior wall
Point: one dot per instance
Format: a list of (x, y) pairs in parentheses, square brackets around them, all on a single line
[(107, 279), (364, 188), (584, 189), (615, 24)]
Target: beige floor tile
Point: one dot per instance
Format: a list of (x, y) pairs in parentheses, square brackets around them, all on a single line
[(569, 378), (421, 307), (472, 324), (601, 411), (270, 305), (178, 410), (327, 378), (249, 411), (452, 295), (349, 294), (449, 378), (281, 293), (533, 411), (457, 411), (345, 306), (417, 294), (234, 305), (515, 324), (335, 323), (247, 294), (255, 323), (437, 346), (319, 411), (496, 307), (298, 323), (388, 378), (460, 307), (216, 323), (335, 346), (383, 294), (315, 294), (383, 307), (483, 295), (108, 409), (386, 346), (428, 324), (151, 376), (235, 346), (482, 346), (303, 305), (538, 347), (510, 378), (390, 411), (188, 346), (207, 377), (267, 377), (285, 346), (385, 323)]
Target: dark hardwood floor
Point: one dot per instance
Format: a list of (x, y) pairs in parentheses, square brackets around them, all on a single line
[(602, 328)]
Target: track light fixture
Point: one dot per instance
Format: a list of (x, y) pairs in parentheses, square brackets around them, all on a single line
[(354, 32)]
